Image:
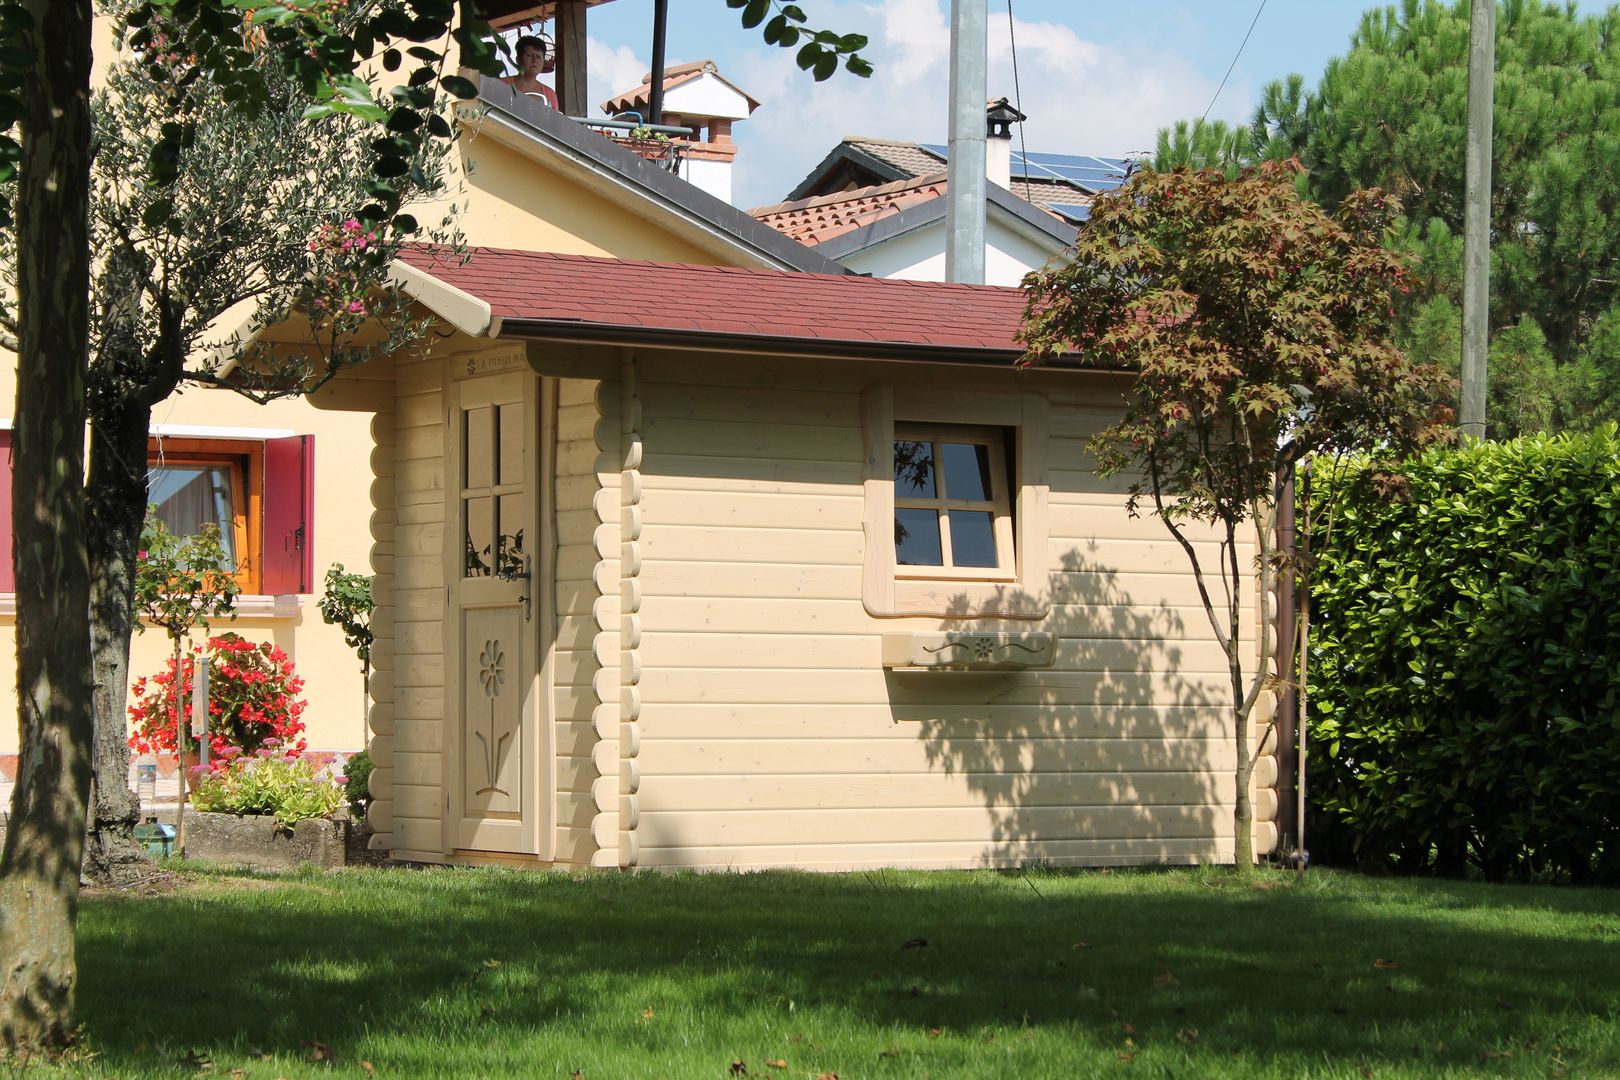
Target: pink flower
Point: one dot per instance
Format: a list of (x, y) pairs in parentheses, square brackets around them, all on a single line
[(264, 753), (272, 741), (340, 779)]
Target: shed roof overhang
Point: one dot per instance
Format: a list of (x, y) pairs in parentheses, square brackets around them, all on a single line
[(582, 300)]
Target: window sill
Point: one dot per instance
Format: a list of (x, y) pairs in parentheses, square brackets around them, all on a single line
[(248, 606)]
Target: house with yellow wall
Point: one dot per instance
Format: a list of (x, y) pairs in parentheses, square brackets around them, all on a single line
[(289, 481)]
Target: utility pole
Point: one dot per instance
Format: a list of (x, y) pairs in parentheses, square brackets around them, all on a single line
[(1477, 217), (966, 185)]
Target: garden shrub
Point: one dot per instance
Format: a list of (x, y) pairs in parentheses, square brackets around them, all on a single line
[(1465, 699), (265, 782), (357, 784), (253, 697)]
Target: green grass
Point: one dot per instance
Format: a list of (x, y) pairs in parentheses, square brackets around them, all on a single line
[(1046, 974)]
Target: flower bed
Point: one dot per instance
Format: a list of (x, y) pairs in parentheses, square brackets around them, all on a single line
[(260, 842)]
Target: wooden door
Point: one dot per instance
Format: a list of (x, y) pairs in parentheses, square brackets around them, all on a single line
[(495, 574)]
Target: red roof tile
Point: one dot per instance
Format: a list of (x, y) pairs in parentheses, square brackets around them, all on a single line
[(810, 221), (609, 297)]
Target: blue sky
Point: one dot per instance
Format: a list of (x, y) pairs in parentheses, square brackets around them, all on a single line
[(1095, 77)]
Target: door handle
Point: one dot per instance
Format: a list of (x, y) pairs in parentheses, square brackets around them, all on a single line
[(526, 576)]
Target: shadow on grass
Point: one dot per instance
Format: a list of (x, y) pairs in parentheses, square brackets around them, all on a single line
[(422, 970)]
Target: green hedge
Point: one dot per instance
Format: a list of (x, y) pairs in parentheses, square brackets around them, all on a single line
[(1465, 690)]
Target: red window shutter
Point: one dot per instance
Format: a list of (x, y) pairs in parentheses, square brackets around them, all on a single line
[(8, 572), (287, 561)]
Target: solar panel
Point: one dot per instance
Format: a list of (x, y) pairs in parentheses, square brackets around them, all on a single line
[(1089, 173), (1073, 211)]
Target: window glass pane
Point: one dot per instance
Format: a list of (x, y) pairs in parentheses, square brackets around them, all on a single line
[(511, 426), (916, 537), (478, 450), (510, 560), (913, 469), (480, 561), (973, 538), (967, 471), (189, 496)]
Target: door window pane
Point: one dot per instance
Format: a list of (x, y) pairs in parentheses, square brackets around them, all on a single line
[(511, 442), (510, 542), (973, 538), (913, 469), (478, 455), (916, 538), (480, 555), (967, 471)]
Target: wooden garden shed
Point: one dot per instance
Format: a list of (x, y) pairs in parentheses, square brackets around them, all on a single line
[(699, 566)]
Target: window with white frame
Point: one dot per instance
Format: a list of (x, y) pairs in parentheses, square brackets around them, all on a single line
[(956, 495)]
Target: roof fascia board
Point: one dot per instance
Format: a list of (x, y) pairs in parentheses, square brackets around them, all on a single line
[(460, 309), (646, 190), (581, 333), (845, 152), (1013, 212)]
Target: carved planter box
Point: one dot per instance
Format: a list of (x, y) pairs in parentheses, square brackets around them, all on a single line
[(255, 841)]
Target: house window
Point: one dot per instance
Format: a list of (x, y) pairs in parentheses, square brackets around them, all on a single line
[(956, 494), (259, 490), (952, 512), (192, 482)]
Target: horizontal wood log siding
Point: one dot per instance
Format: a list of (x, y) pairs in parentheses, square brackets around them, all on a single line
[(769, 733), (409, 655), (587, 620), (383, 708)]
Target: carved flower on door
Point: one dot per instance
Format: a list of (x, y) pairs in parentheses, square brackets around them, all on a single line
[(492, 667)]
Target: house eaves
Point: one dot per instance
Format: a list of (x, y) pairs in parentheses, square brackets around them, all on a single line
[(639, 186), (1036, 225)]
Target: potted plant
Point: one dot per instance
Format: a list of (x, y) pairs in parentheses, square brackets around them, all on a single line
[(268, 809)]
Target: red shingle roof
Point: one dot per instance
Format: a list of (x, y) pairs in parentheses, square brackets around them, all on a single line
[(810, 221), (610, 298)]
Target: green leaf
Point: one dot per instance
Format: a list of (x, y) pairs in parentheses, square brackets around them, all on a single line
[(460, 87), (404, 223), (808, 56), (391, 59), (157, 213), (826, 65), (754, 13)]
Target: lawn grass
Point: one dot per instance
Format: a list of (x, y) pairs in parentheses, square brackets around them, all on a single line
[(1042, 974)]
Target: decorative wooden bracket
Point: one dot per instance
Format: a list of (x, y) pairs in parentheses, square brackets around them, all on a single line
[(963, 650)]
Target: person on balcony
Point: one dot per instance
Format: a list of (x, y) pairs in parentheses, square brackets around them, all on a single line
[(531, 57)]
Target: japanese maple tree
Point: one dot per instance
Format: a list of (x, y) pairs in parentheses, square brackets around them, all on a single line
[(1259, 328)]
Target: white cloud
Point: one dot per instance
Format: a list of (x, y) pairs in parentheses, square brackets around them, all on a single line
[(610, 70)]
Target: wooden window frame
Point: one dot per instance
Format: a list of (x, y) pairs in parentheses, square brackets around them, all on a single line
[(892, 591), (999, 505), (245, 459)]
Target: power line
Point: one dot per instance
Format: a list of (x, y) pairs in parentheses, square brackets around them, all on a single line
[(1018, 96), (1233, 64)]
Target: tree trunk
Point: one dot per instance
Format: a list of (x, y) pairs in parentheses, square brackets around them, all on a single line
[(39, 870), (116, 508), (1242, 808)]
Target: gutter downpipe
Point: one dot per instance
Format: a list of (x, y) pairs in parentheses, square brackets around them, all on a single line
[(965, 167), (655, 99)]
